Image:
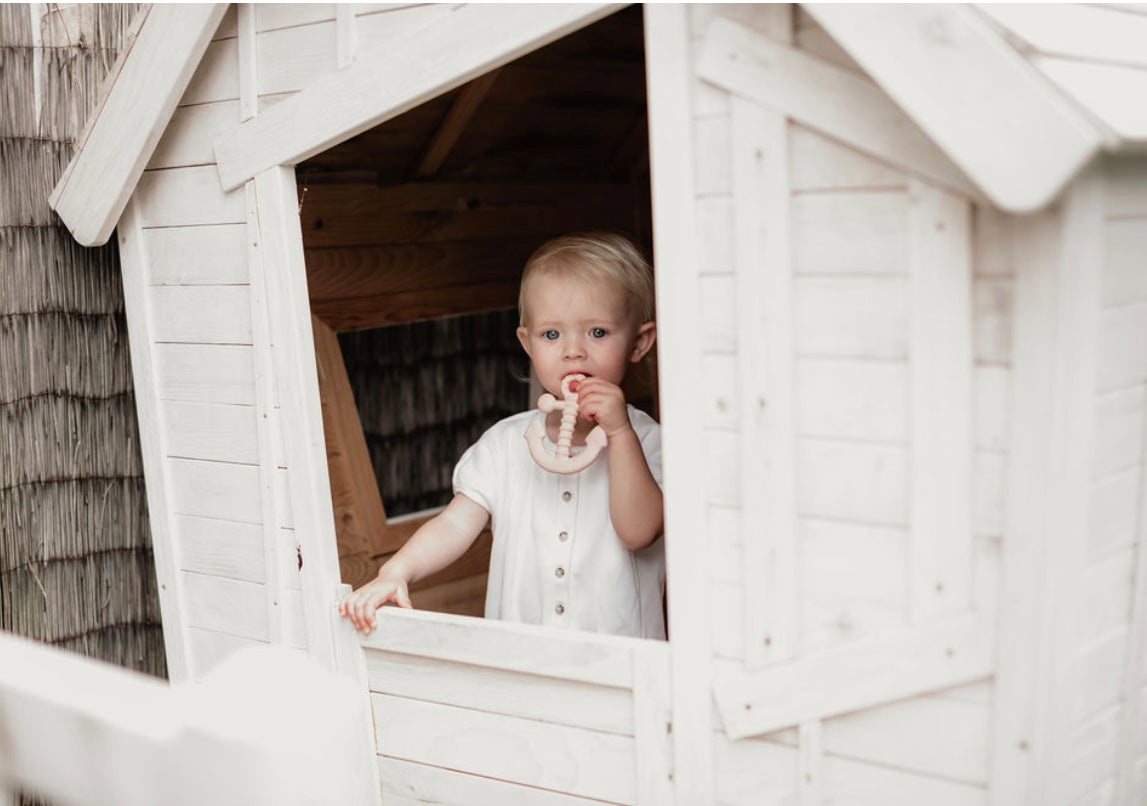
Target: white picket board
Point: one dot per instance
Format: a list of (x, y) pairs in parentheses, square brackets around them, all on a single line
[(556, 757), (992, 303), (1103, 90), (857, 232), (201, 314), (819, 164), (498, 691), (214, 490), (405, 782), (1112, 512), (180, 197), (863, 400), (1087, 32), (217, 76), (205, 373), (853, 481), (220, 548), (991, 396), (211, 431), (824, 97), (856, 317), (1124, 261), (187, 139), (341, 104), (974, 97), (1118, 432), (211, 255), (231, 606), (1122, 350)]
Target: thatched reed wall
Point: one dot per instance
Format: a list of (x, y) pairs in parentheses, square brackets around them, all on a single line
[(75, 551), (426, 391)]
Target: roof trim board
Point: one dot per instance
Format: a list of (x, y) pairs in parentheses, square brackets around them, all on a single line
[(468, 42), (137, 104), (981, 101), (1089, 32)]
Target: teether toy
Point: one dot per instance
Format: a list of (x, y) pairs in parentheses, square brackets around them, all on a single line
[(561, 461)]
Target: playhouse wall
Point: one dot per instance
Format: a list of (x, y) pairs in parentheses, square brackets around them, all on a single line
[(860, 237)]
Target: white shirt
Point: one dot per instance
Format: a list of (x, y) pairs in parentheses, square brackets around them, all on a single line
[(556, 559)]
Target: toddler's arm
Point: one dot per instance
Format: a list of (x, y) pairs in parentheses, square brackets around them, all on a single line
[(437, 543)]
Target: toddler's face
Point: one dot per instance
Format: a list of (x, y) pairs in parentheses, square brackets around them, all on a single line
[(575, 325)]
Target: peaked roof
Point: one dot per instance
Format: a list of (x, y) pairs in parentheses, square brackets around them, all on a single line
[(1018, 97)]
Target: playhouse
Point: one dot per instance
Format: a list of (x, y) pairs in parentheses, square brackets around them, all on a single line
[(901, 263)]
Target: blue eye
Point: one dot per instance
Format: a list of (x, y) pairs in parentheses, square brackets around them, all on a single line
[(549, 335), (597, 332)]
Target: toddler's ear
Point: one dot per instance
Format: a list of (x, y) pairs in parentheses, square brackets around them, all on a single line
[(643, 342), (524, 338)]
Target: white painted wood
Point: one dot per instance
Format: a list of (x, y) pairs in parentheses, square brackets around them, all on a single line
[(484, 688), (137, 104), (1093, 747), (1107, 590), (220, 548), (1125, 195), (1104, 91), (972, 94), (598, 659), (717, 322), (674, 226), (863, 400), (810, 763), (1088, 32), (187, 139), (716, 233), (811, 37), (1122, 347), (206, 373), (991, 390), (217, 77), (1124, 275), (653, 724), (213, 255), (992, 304), (754, 772), (820, 164), (880, 785), (713, 164), (940, 356), (1119, 430), (990, 247), (854, 677), (180, 197), (824, 97), (248, 65), (856, 317), (291, 58), (857, 232), (214, 490), (989, 475), (1112, 512), (723, 485), (202, 314), (866, 483), (208, 649), (565, 759), (719, 382), (346, 35), (404, 782), (336, 106), (232, 606), (279, 251), (211, 431), (147, 375)]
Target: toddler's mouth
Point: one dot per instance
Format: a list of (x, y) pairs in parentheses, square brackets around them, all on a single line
[(571, 380)]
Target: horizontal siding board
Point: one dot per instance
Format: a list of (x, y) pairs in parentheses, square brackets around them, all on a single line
[(717, 297), (992, 301), (212, 431), (865, 400), (188, 138), (210, 255), (229, 606), (1122, 352), (852, 481), (215, 490), (1118, 431), (1106, 595), (208, 648), (217, 77), (180, 197), (1112, 512), (220, 548), (205, 373), (862, 232), (991, 390), (290, 58), (818, 163), (850, 317), (201, 314), (1124, 262), (1097, 677), (404, 782), (989, 476), (565, 759)]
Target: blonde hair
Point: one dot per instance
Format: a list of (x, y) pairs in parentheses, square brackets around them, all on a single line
[(594, 256)]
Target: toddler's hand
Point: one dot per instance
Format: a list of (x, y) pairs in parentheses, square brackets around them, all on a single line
[(603, 402), (360, 605)]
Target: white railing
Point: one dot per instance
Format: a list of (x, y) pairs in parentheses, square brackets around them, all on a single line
[(269, 726)]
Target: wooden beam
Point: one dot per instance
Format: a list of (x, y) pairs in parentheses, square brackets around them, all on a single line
[(471, 40), (859, 675), (362, 313), (138, 100), (463, 108), (972, 93)]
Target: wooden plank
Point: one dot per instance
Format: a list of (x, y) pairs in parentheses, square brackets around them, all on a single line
[(248, 63), (1122, 347), (810, 763), (866, 483), (820, 164), (653, 724), (136, 106), (405, 782), (864, 400), (457, 119), (205, 373), (1112, 512), (211, 255), (208, 649), (1107, 591), (857, 676), (667, 54), (858, 232), (1102, 90), (1124, 267), (470, 41), (231, 606), (215, 490), (201, 314), (384, 310), (1088, 32), (989, 475), (147, 373), (823, 97), (562, 702), (291, 58), (992, 305), (1118, 428), (566, 759), (991, 391), (220, 548), (974, 97), (1093, 747), (717, 322), (187, 139), (211, 431), (599, 659), (755, 773), (855, 317), (940, 339), (217, 76), (181, 197)]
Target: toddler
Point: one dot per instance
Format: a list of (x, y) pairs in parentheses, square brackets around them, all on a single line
[(576, 550)]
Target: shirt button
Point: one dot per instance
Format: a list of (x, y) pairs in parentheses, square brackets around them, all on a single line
[(559, 608), (563, 536), (559, 572), (567, 495)]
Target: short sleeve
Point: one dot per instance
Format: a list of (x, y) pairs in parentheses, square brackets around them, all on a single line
[(476, 474), (649, 435)]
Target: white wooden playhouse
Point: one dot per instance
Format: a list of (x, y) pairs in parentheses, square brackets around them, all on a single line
[(901, 259)]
